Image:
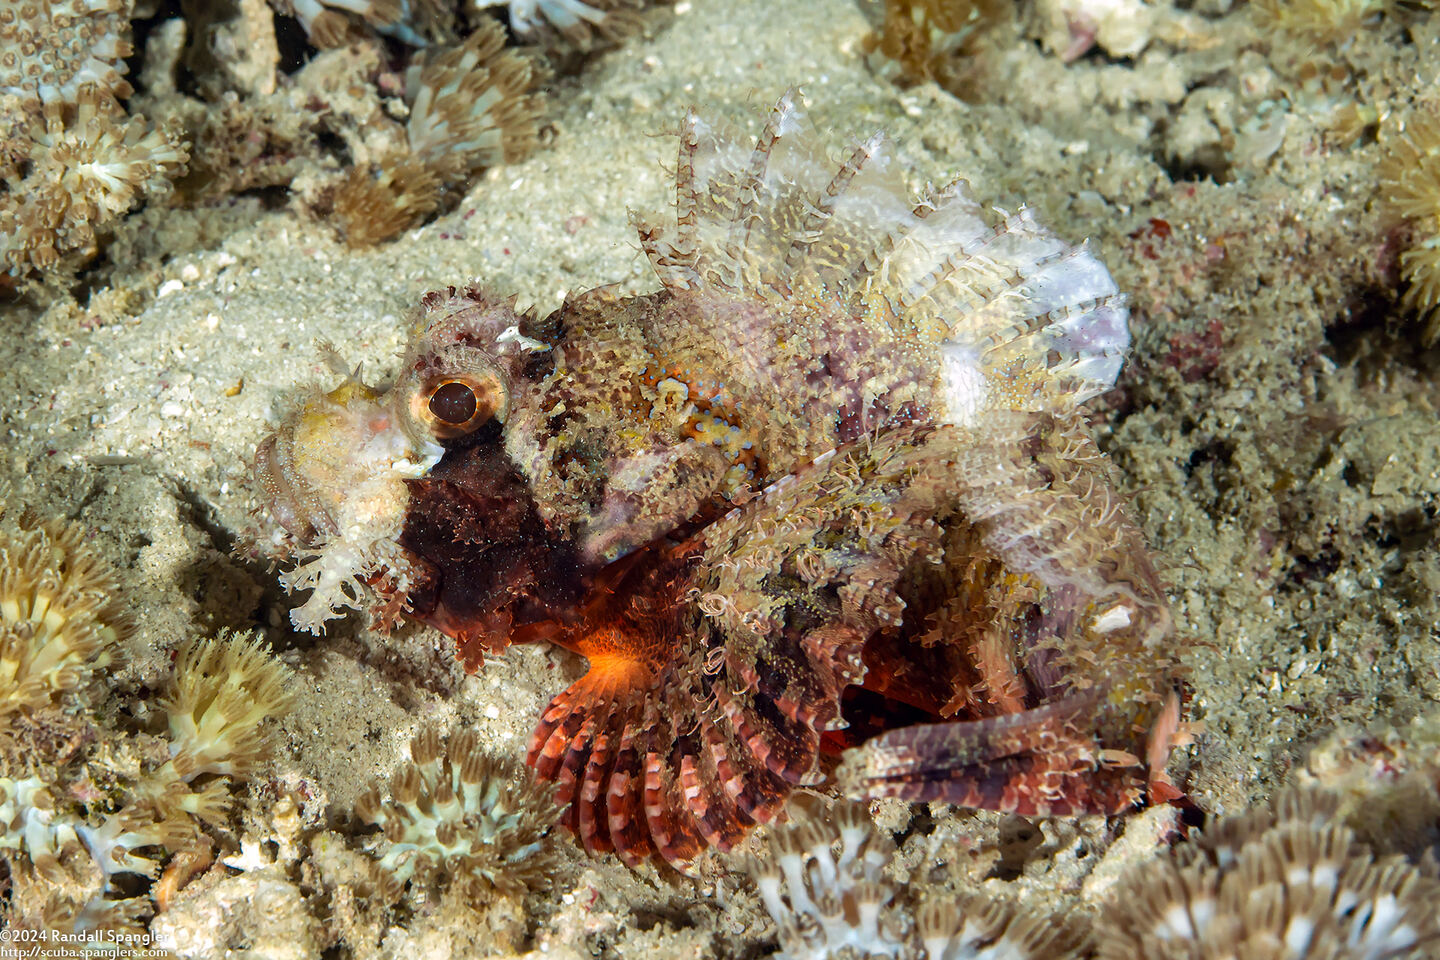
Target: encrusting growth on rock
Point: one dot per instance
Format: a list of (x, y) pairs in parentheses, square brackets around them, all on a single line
[(50, 49), (457, 816)]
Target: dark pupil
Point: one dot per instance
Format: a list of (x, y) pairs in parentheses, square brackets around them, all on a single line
[(453, 402)]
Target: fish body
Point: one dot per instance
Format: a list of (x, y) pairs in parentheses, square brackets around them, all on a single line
[(823, 506)]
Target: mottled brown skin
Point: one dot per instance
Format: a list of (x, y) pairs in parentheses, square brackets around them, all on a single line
[(823, 508), (689, 728)]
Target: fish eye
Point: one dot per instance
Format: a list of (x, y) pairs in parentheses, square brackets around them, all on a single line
[(454, 406), (453, 402)]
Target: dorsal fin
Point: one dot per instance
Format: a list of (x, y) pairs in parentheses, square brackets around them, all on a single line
[(1017, 318)]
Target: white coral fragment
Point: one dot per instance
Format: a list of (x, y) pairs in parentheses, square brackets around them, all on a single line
[(1122, 28)]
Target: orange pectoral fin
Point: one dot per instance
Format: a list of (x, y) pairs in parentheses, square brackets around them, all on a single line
[(577, 745)]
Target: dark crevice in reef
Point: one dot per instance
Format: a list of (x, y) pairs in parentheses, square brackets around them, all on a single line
[(1374, 334)]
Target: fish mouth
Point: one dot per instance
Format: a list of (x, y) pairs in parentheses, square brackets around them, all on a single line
[(289, 499)]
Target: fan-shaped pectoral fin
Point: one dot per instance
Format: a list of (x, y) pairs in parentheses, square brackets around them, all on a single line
[(585, 742), (646, 765)]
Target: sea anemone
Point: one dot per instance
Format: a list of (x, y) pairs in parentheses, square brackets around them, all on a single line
[(1288, 880), (59, 621), (472, 106), (578, 22), (458, 816), (81, 866), (975, 927), (223, 691), (81, 831), (70, 171), (826, 905), (332, 23), (1410, 184)]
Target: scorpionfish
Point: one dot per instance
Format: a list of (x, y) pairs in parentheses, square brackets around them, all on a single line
[(822, 507)]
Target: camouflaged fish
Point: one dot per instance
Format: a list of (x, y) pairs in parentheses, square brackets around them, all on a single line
[(822, 508)]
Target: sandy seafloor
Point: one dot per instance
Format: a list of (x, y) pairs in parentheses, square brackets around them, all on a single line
[(1275, 428)]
